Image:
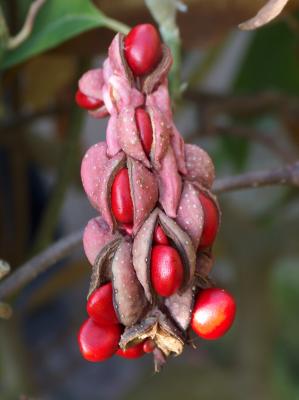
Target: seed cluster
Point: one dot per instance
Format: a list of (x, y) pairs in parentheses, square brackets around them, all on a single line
[(151, 246)]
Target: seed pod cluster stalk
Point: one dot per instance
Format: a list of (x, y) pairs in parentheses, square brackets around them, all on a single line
[(151, 247)]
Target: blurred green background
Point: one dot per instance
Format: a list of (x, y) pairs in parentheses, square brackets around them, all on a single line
[(241, 104)]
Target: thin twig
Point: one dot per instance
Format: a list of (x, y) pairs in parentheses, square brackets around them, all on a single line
[(40, 263), (26, 30), (287, 175), (260, 137), (243, 104)]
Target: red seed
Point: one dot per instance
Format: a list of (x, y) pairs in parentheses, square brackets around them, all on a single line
[(166, 270), (148, 346), (144, 127), (87, 102), (213, 314), (142, 47), (159, 236), (132, 352), (100, 305), (128, 228), (211, 221), (121, 201), (98, 342)]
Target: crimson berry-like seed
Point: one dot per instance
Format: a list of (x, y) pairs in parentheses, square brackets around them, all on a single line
[(145, 129), (121, 200), (213, 314), (142, 47), (159, 236), (148, 346), (87, 102), (211, 221), (166, 270), (98, 342), (100, 305), (132, 352)]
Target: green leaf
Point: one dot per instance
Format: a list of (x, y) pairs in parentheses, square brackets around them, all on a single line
[(271, 61), (58, 21)]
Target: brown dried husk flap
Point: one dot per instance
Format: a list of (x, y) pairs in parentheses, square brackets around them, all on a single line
[(101, 271), (113, 166), (127, 69), (157, 327), (180, 307), (128, 296), (142, 248), (114, 263), (159, 73)]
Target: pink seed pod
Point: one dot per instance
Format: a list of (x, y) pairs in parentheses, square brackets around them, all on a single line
[(200, 167), (170, 184), (91, 85)]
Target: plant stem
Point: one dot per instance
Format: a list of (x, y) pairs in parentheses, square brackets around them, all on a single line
[(40, 263), (286, 175), (116, 25)]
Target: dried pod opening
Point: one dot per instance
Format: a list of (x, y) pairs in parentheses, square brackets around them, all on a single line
[(128, 72), (101, 271), (151, 81)]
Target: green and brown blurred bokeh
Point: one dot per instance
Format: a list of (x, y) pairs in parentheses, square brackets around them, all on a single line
[(242, 105)]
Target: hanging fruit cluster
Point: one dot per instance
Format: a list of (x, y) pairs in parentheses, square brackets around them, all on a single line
[(151, 247)]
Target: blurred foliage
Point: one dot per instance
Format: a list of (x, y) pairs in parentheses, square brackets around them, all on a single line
[(257, 249)]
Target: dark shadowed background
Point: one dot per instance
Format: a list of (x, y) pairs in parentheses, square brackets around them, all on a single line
[(241, 104)]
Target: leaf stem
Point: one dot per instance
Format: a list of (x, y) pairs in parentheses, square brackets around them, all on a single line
[(116, 25)]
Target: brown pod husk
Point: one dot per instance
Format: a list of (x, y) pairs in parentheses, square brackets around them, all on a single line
[(151, 81), (142, 247), (157, 327), (180, 307), (142, 251), (101, 271), (113, 166), (204, 264), (127, 69), (128, 296), (183, 244)]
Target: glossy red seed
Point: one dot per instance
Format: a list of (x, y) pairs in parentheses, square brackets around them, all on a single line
[(121, 201), (98, 342), (89, 103), (145, 129), (132, 352), (142, 47), (128, 228), (159, 236), (100, 305), (211, 221), (213, 314), (148, 346), (166, 270)]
